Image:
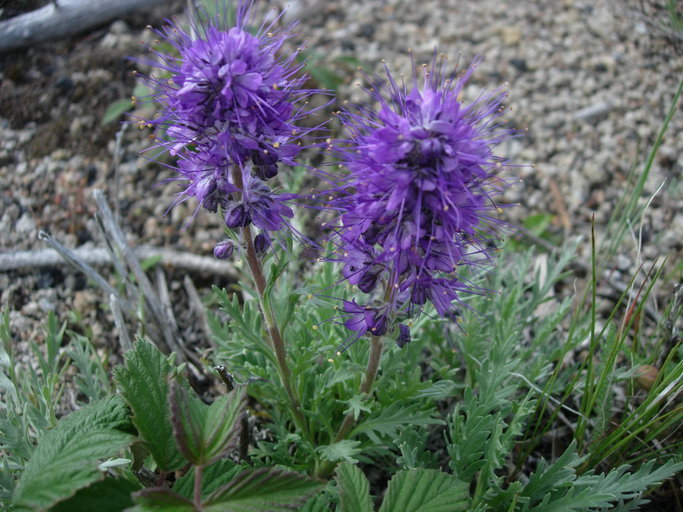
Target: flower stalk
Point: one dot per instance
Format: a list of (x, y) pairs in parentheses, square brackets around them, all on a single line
[(266, 306)]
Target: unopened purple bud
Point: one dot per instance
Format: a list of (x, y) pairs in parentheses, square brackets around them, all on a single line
[(418, 294), (223, 250), (261, 243), (211, 204), (403, 336), (265, 172), (264, 165), (368, 282), (371, 234), (237, 217), (380, 325)]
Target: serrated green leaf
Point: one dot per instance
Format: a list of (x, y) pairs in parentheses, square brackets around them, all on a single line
[(262, 490), (425, 490), (213, 476), (318, 503), (355, 404), (203, 433), (143, 381), (161, 500), (563, 491), (548, 476), (439, 390), (116, 109), (109, 495), (67, 458), (391, 418), (241, 322), (344, 450), (354, 489)]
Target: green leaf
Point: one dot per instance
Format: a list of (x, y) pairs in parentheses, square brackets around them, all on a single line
[(326, 77), (161, 500), (439, 390), (546, 477), (425, 490), (204, 432), (391, 418), (243, 322), (116, 109), (354, 489), (109, 495), (262, 490), (143, 381), (344, 450), (67, 458), (556, 487), (538, 223), (321, 502), (150, 262), (213, 476), (356, 406)]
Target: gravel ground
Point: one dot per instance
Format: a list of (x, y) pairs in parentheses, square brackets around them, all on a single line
[(589, 82)]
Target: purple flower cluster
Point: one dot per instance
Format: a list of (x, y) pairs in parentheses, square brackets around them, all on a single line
[(417, 203), (232, 102)]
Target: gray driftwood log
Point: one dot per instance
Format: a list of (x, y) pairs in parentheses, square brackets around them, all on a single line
[(67, 18)]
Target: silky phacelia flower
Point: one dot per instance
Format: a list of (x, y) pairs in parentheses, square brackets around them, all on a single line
[(364, 319), (232, 100), (418, 202)]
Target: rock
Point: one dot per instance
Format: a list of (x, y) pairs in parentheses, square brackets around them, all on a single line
[(510, 35), (519, 64), (593, 113)]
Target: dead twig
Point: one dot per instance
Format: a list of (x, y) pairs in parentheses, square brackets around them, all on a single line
[(124, 338), (68, 18), (118, 238), (98, 257), (198, 309)]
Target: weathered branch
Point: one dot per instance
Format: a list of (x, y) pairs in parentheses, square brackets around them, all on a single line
[(66, 18), (97, 257)]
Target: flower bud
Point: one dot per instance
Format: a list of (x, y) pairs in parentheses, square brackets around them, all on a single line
[(223, 250), (237, 217), (261, 243), (368, 282), (403, 336)]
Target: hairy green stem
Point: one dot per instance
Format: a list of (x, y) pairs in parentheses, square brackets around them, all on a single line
[(274, 334), (366, 386), (325, 469)]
